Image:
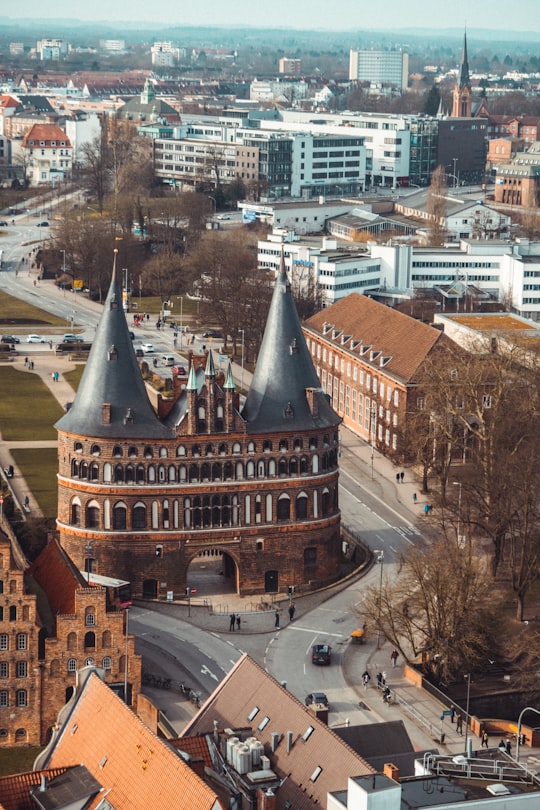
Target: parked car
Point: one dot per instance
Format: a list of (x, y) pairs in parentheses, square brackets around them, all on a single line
[(180, 370), (168, 360), (35, 339), (148, 348), (10, 339), (317, 697), (73, 339), (3, 223), (43, 224), (321, 654), (138, 352), (223, 216), (212, 333)]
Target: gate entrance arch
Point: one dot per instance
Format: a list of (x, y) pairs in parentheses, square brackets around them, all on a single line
[(212, 572)]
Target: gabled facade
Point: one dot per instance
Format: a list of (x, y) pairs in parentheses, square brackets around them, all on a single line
[(52, 624), (150, 491), (48, 152)]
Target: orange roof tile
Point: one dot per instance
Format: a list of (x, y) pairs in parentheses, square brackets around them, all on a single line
[(406, 341), (247, 691), (46, 133), (15, 789), (137, 768)]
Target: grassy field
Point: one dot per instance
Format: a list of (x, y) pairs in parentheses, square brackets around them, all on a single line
[(39, 467), (19, 315), (17, 760), (28, 410)]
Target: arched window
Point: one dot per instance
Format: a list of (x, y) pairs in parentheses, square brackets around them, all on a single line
[(78, 447), (90, 615), (117, 451), (72, 665), (162, 474), (92, 515), (119, 474), (95, 450), (106, 639), (217, 471), (54, 668), (130, 474), (93, 471), (229, 470), (107, 472), (140, 474), (4, 641), (283, 466), (138, 516), (196, 451), (283, 445), (72, 641), (172, 473), (209, 450), (201, 417), (119, 517), (250, 469), (269, 515), (301, 506), (258, 509), (205, 471), (107, 663), (163, 452), (325, 502), (89, 662), (21, 698), (298, 444), (180, 450), (315, 464), (236, 448), (272, 467), (222, 450), (182, 473), (148, 452), (303, 465), (151, 472), (83, 470), (74, 468), (293, 466), (284, 507), (267, 446), (75, 518), (251, 447), (89, 640), (155, 515), (132, 452), (261, 471), (12, 613), (193, 472)]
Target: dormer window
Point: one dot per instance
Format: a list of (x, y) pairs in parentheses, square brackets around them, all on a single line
[(42, 143), (112, 354), (293, 348), (53, 143), (129, 417)]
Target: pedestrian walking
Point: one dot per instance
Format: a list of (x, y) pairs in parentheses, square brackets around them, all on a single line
[(402, 476), (232, 621), (276, 617), (508, 747), (394, 657), (414, 497), (502, 746), (379, 680), (238, 623), (26, 361), (386, 695), (397, 478), (426, 509), (485, 740), (292, 609), (459, 723), (452, 714), (27, 502), (32, 364), (383, 677), (50, 344), (366, 677)]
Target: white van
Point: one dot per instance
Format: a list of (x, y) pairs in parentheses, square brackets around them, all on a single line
[(168, 360)]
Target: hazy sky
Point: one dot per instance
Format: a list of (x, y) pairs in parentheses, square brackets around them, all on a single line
[(306, 14)]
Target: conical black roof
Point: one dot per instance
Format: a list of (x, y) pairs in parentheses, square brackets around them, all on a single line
[(277, 399), (464, 77), (112, 378)]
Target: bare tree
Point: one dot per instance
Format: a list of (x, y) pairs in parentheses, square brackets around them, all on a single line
[(436, 206)]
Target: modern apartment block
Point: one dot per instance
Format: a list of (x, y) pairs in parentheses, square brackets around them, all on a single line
[(380, 67)]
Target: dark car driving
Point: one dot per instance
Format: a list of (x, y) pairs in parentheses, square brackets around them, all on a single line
[(321, 654), (318, 698)]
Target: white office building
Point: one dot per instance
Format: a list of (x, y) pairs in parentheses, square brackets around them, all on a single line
[(380, 67)]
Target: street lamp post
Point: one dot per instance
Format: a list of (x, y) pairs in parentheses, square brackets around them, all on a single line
[(522, 712), (459, 539), (468, 676), (242, 332), (380, 560), (454, 161)]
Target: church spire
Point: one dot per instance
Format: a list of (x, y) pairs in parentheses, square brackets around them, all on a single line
[(462, 94)]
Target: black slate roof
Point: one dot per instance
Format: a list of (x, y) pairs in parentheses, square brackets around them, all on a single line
[(277, 396), (112, 376)]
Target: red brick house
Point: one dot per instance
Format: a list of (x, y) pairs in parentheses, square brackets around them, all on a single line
[(368, 358), (51, 625), (148, 492)]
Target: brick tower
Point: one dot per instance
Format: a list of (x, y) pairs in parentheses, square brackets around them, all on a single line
[(140, 495), (462, 93)]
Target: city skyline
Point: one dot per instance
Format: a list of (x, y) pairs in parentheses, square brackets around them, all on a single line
[(345, 15)]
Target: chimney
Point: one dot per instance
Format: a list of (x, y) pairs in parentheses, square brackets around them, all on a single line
[(266, 799), (275, 740), (312, 401), (106, 413), (391, 771)]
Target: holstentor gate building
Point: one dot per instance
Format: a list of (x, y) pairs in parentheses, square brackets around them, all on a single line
[(141, 494)]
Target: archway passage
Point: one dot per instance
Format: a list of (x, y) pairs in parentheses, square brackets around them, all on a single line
[(212, 573)]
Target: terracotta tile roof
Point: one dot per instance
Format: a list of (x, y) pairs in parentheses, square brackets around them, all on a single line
[(47, 133), (56, 574), (137, 768), (15, 789), (8, 101), (404, 340), (248, 687)]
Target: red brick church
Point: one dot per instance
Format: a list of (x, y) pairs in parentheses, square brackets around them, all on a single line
[(141, 494)]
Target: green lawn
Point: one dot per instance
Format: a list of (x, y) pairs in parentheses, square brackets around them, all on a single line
[(39, 466), (28, 410), (16, 314), (17, 760)]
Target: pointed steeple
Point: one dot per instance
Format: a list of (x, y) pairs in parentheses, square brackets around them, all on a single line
[(462, 93), (285, 394), (210, 370), (464, 78), (111, 400), (229, 379), (191, 384)]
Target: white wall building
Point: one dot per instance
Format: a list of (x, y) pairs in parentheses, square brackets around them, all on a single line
[(165, 54), (380, 67)]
